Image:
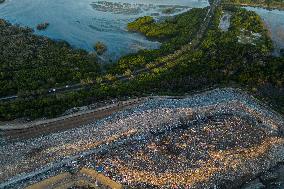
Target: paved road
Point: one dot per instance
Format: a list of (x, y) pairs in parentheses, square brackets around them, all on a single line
[(9, 98), (191, 46)]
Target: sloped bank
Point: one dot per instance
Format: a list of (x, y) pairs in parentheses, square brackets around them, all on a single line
[(229, 139)]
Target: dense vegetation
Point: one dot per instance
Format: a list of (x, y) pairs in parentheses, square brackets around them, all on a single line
[(262, 3), (32, 63), (240, 56), (173, 33)]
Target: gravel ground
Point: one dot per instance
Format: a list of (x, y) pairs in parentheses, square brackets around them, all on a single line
[(226, 134)]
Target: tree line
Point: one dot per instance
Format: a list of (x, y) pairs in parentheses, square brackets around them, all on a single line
[(222, 59)]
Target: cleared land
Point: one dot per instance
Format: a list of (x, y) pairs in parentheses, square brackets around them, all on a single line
[(155, 144)]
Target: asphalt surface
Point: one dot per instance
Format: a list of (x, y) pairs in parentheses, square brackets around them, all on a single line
[(191, 46)]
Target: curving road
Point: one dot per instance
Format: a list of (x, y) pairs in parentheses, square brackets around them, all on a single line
[(189, 47)]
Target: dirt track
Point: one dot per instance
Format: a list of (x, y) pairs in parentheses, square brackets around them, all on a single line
[(35, 129), (31, 158)]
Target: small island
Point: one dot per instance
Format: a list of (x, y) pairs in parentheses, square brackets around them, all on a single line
[(100, 48), (42, 26)]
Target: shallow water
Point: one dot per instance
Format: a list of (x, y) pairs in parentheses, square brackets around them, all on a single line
[(274, 20), (82, 24), (225, 21)]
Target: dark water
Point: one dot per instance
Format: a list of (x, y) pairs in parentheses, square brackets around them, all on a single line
[(84, 22)]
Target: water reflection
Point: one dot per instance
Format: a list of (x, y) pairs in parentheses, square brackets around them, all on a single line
[(225, 21), (82, 25), (274, 20)]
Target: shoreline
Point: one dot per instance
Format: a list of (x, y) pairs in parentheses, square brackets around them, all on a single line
[(255, 5)]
